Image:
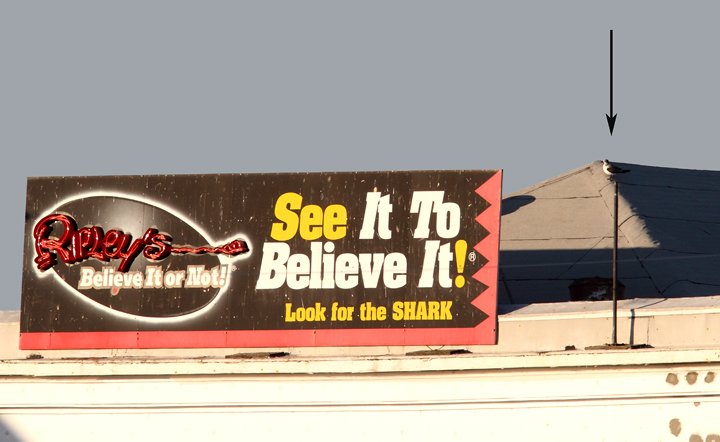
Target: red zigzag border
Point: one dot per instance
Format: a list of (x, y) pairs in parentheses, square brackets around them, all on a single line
[(489, 247)]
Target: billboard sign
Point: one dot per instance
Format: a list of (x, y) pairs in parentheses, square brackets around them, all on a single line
[(261, 260)]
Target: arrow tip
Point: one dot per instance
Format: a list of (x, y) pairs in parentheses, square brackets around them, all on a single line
[(611, 122)]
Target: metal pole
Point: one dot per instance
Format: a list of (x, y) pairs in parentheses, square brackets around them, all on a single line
[(615, 253)]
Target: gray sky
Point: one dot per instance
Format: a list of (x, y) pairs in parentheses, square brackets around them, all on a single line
[(232, 87)]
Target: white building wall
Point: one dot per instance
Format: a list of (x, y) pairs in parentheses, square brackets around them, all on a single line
[(528, 387), (612, 403)]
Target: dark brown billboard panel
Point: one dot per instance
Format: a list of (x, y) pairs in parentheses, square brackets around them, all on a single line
[(261, 260)]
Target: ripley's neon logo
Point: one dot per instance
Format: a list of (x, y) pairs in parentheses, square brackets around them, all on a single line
[(76, 245)]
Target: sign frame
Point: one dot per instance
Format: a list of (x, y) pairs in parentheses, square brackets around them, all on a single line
[(48, 304)]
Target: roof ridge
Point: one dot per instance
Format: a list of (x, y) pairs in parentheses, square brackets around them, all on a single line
[(549, 181)]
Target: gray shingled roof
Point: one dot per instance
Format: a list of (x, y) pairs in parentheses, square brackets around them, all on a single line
[(561, 230)]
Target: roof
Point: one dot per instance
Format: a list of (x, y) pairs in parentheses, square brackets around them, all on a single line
[(537, 336), (561, 230)]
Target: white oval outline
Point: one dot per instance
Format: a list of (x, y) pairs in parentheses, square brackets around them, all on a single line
[(122, 315)]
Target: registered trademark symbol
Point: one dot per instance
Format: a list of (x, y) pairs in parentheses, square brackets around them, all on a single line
[(472, 256)]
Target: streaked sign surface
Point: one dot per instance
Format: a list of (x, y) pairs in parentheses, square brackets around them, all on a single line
[(263, 260)]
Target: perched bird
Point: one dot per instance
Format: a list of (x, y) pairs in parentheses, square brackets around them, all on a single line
[(611, 169)]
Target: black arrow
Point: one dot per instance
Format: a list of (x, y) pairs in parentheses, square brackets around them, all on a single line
[(611, 120)]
